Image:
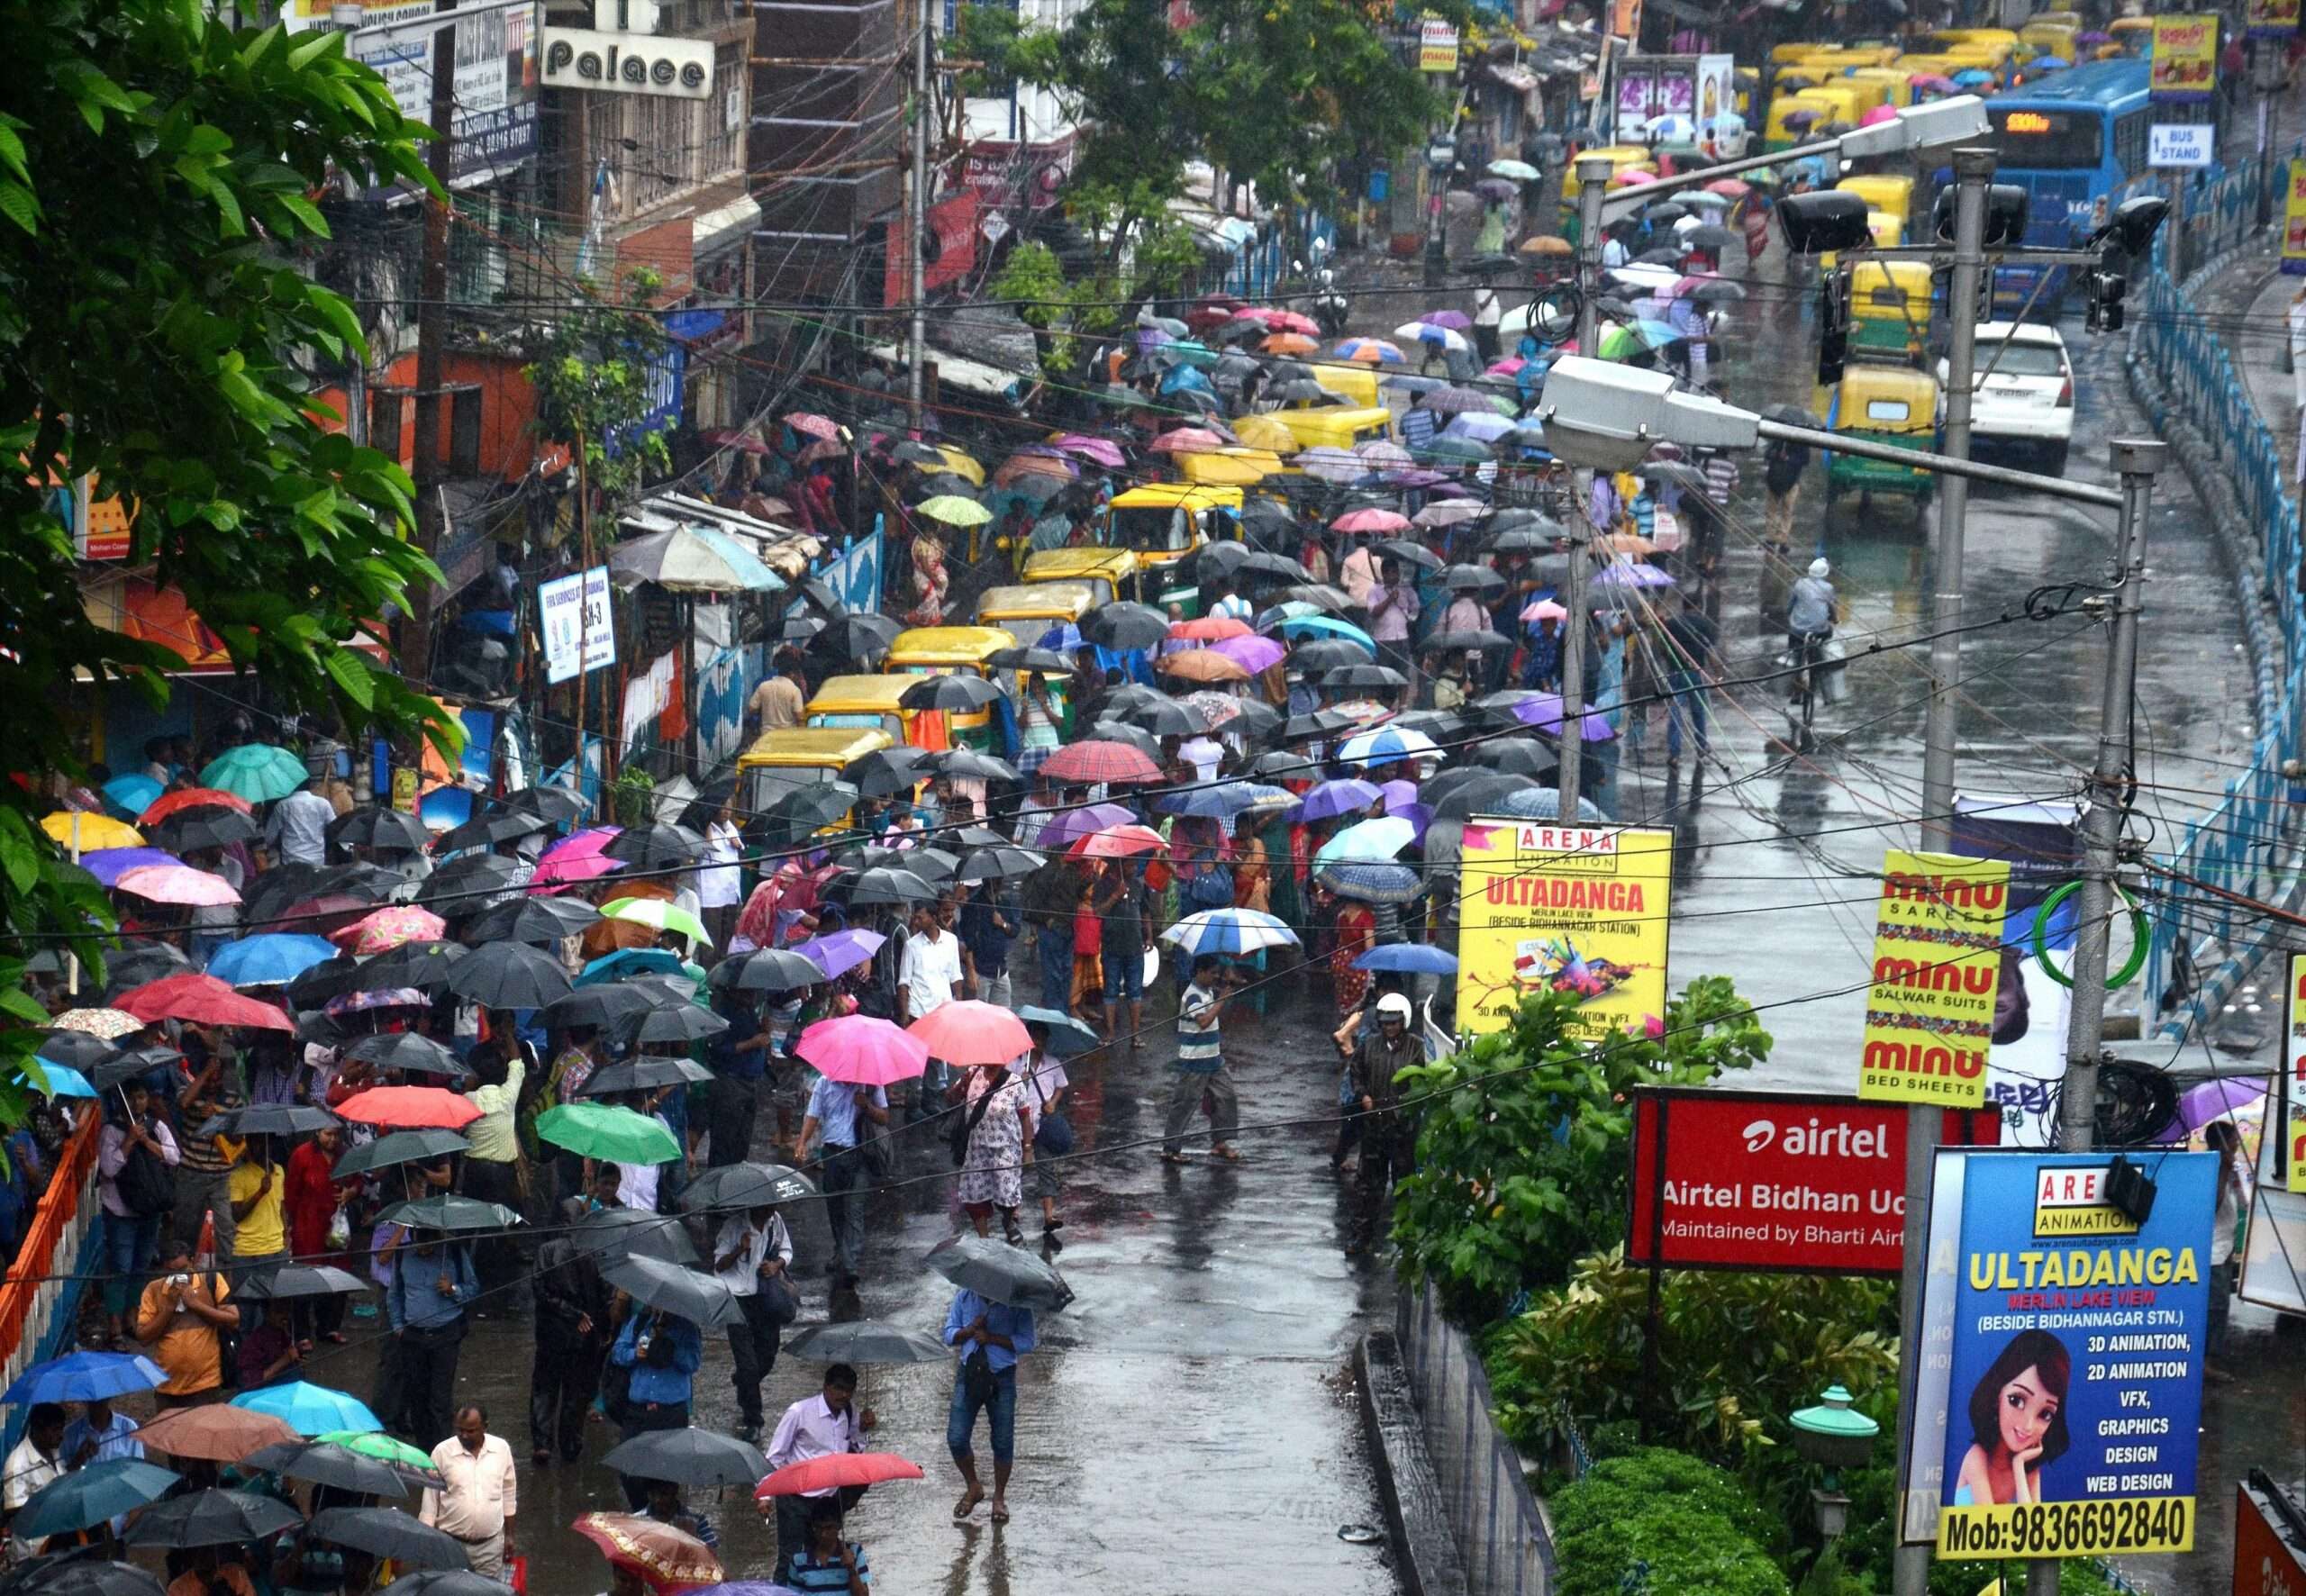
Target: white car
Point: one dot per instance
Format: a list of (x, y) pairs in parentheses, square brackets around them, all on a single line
[(2024, 390)]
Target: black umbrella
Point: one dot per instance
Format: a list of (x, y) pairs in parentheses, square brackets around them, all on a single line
[(1047, 661), (269, 1119), (1121, 731), (968, 764), (463, 884), (671, 1288), (1212, 560), (1319, 723), (1663, 213), (1791, 415), (379, 826), (1524, 539), (855, 640), (1305, 391), (425, 962), (1125, 626), (397, 1148), (78, 1572), (299, 1280), (689, 1457), (1410, 553), (1479, 795), (891, 886), (1479, 579), (913, 453), (1663, 255), (603, 1005), (1262, 567), (1268, 511), (506, 976), (211, 1519), (867, 1341), (325, 1463), (732, 1186), (329, 978), (951, 691), (1466, 642), (952, 484), (648, 1074), (485, 830), (1325, 654), (450, 1214), (964, 837), (407, 1050), (130, 1062), (607, 1232), (556, 803), (73, 1049), (1000, 862), (1128, 695), (1515, 756), (137, 962), (1718, 291), (1256, 720), (1511, 516), (1708, 236), (888, 770), (1364, 678), (800, 810), (1166, 718), (656, 846), (771, 969), (384, 1532), (541, 921), (276, 889), (1443, 726), (1000, 1273), (687, 1023), (189, 829), (1283, 765)]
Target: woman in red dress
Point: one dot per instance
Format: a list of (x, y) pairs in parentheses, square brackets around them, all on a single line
[(312, 1199)]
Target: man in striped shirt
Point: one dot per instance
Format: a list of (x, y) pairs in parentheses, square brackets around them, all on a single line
[(1418, 425), (1201, 1066)]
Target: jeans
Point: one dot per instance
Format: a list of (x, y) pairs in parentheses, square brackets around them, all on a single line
[(1124, 978), (561, 1388), (752, 1348), (1056, 945), (128, 1244), (640, 1419), (427, 1380), (1385, 1151), (1185, 1102), (960, 1419), (844, 1186), (731, 1104), (1689, 699)]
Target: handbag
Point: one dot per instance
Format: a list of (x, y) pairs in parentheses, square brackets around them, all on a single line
[(963, 1129), (1054, 1134), (146, 1184), (780, 1301)]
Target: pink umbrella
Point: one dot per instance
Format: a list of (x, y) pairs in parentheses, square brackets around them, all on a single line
[(1370, 521), (389, 927), (1545, 609), (863, 1051), (177, 883), (1187, 440), (580, 844), (814, 424), (553, 876), (1102, 450), (1252, 653), (1117, 842), (1509, 366), (1880, 113), (1283, 321), (971, 1033)]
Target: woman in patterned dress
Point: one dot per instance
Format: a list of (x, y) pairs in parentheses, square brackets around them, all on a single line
[(993, 1172)]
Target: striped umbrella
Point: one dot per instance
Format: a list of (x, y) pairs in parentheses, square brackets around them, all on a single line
[(1229, 931)]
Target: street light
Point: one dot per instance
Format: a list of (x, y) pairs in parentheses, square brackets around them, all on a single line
[(1835, 1437)]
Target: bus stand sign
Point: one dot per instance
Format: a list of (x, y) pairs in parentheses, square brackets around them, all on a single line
[(2179, 144)]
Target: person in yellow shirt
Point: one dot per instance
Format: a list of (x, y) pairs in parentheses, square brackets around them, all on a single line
[(259, 1189)]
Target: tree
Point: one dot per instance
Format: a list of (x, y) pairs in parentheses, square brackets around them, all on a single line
[(594, 379), (157, 170)]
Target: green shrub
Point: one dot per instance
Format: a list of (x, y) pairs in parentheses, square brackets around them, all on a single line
[(1664, 1522), (1621, 1487), (1865, 1550)]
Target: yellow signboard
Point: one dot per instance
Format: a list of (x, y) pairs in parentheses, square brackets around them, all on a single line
[(1574, 909), (2292, 1126), (2293, 220), (1936, 970), (2273, 19), (1436, 45), (2184, 67)]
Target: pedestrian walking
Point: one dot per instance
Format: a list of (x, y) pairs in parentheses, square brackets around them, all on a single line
[(2221, 1137), (1689, 639), (988, 924), (845, 1117), (929, 977), (479, 1494), (204, 1167), (1050, 894), (751, 1252), (990, 1338), (1392, 611), (825, 1425), (432, 1280), (1489, 313), (738, 1058), (663, 1352), (1120, 908), (1200, 1068), (996, 1127), (571, 1339), (1380, 1054), (1046, 1084), (315, 1201)]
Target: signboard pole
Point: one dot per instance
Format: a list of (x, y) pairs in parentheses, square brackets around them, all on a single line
[(917, 219), (431, 343), (583, 610), (1652, 1378)]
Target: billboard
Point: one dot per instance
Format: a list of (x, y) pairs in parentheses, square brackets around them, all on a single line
[(2184, 69), (952, 235), (1574, 909), (2273, 19), (2056, 1409), (2294, 218), (570, 625), (2269, 1556), (1774, 1180), (497, 79), (1929, 1014), (2289, 1126)]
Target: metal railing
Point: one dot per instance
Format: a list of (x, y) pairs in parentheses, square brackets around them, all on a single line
[(1501, 1536), (42, 1297)]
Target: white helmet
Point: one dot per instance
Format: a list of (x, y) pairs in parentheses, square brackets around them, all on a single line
[(1394, 1006)]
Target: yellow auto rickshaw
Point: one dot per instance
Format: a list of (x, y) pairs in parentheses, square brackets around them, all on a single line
[(1883, 191), (950, 650), (1327, 426), (1623, 157), (1266, 432), (801, 757), (1897, 83), (2043, 37), (1026, 612), (1229, 468), (2133, 35), (1889, 309), (1351, 380), (1164, 521), (1843, 58), (1108, 574), (1825, 103), (862, 701), (1893, 405)]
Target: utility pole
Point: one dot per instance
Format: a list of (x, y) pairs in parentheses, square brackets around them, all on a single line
[(2265, 77), (1593, 188), (431, 346), (1973, 175), (917, 215)]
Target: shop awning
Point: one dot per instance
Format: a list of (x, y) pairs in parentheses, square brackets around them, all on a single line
[(713, 228), (959, 372)]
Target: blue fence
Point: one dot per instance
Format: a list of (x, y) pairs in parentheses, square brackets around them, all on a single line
[(1258, 267), (2235, 845)]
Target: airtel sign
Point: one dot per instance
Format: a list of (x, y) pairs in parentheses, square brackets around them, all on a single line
[(1792, 1181)]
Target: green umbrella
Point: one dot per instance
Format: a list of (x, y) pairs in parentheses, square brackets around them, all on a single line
[(662, 915), (1620, 342), (258, 772), (954, 511), (378, 1444), (606, 1131)]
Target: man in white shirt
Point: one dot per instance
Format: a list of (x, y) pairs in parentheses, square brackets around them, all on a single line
[(927, 980), (748, 1248), (482, 1492), (815, 1426), (298, 832), (38, 1459)]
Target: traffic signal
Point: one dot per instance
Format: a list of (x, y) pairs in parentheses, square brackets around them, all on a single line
[(2106, 292), (1833, 326)]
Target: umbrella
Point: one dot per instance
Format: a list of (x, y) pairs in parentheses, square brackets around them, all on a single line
[(410, 1108), (108, 865), (374, 1445), (811, 424), (1371, 521), (1520, 171), (1409, 959), (1200, 665), (968, 1032), (488, 829), (611, 1004), (867, 1341), (1372, 883), (881, 885), (1376, 840), (862, 1050), (1125, 626), (124, 1067), (387, 929), (451, 1215), (269, 1119), (1230, 931), (74, 1573), (1385, 745), (388, 1532), (268, 960), (1330, 464), (841, 951), (541, 922), (622, 1230), (885, 771), (1228, 800), (288, 1281), (258, 772), (89, 1495), (84, 830), (668, 1558), (689, 1457), (692, 559), (407, 1050), (203, 1000), (164, 805), (607, 1131), (1517, 757), (1070, 825), (2197, 1106), (73, 1050), (84, 1376), (656, 846), (1094, 761), (770, 969), (1000, 1273), (219, 1434), (659, 914), (1102, 450), (1544, 711), (1332, 799), (399, 1147), (835, 1469), (382, 828), (329, 1463), (1329, 627), (682, 1022), (423, 964), (1118, 842), (743, 1185), (949, 691), (858, 640), (954, 511), (968, 764), (1370, 352), (210, 1518), (310, 1410), (703, 1300), (177, 883), (506, 976)]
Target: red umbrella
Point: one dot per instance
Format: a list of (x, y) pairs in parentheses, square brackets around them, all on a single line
[(1117, 842), (410, 1108), (201, 999), (744, 442), (168, 803), (969, 1032), (1100, 761), (1210, 629), (835, 1468)]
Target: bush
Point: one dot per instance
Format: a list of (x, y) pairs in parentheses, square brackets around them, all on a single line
[(1865, 1550), (1661, 1521)]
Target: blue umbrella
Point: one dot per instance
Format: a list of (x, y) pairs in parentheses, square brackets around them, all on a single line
[(1544, 803), (84, 1376), (311, 1409), (90, 1495), (1223, 803), (1183, 378), (1972, 77), (1329, 625), (1229, 931), (1067, 1035), (1372, 883), (132, 796), (1409, 959), (268, 960), (1066, 639), (58, 1080), (2047, 64), (630, 961)]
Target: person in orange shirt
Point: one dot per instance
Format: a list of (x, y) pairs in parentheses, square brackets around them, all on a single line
[(178, 1318)]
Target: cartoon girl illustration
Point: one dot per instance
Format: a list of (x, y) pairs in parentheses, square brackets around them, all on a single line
[(2017, 1422)]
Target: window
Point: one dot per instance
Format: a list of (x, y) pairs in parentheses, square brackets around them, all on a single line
[(2020, 359), (2129, 142), (1888, 409), (2046, 139)]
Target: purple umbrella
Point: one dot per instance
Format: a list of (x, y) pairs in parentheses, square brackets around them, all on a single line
[(1102, 450), (1632, 575), (108, 865), (1416, 814), (1415, 477), (1543, 711), (1454, 321), (1067, 828), (1253, 654), (1332, 799), (390, 997), (1398, 794), (841, 951), (2212, 1099)]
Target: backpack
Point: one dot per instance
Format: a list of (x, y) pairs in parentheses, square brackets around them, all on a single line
[(146, 1184)]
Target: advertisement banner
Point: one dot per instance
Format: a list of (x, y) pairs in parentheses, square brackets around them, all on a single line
[(1436, 45), (1775, 1180), (2289, 1123), (952, 232), (571, 625), (498, 80), (2072, 1382), (2184, 69), (1929, 1014), (2293, 219), (2273, 19), (2268, 1560), (1576, 909)]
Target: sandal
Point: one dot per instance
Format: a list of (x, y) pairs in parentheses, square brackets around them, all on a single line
[(1175, 1158), (1000, 1515), (1231, 1154), (967, 1504)]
